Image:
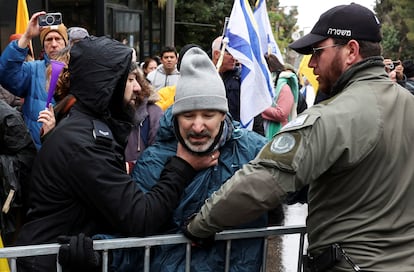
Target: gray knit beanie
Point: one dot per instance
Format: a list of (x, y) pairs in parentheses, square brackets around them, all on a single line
[(200, 86)]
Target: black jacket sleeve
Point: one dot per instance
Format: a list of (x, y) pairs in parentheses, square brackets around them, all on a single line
[(165, 196), (111, 197)]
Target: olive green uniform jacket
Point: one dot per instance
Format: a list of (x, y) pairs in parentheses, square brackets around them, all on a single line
[(355, 152)]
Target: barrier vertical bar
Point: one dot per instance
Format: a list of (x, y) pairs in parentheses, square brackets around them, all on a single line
[(264, 261), (301, 247), (147, 259), (13, 264), (228, 253), (105, 260), (188, 257)]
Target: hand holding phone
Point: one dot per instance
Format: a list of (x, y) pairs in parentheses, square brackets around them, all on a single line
[(393, 65)]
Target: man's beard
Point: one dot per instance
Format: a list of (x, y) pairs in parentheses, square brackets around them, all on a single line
[(330, 79), (205, 148), (197, 148), (129, 112)]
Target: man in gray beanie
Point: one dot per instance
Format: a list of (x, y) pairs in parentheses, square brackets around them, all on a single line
[(200, 121), (198, 70)]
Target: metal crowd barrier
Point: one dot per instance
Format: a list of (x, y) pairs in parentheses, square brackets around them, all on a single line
[(12, 253)]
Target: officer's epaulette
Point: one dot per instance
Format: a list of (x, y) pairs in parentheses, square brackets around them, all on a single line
[(102, 133)]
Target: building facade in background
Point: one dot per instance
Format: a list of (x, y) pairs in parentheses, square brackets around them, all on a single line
[(138, 23)]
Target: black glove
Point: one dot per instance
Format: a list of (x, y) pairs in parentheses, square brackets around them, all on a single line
[(204, 243), (77, 254)]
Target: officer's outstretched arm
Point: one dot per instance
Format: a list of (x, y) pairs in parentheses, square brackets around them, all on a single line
[(248, 194)]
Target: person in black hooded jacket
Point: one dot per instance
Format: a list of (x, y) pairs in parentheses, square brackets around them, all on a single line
[(79, 180)]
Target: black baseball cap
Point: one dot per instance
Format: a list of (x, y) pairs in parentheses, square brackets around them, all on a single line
[(348, 22)]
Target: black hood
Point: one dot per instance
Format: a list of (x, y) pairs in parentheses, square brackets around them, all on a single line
[(99, 68)]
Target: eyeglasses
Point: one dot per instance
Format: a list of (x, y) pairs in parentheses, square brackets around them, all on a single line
[(318, 50)]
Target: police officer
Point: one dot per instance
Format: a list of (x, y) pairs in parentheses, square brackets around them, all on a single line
[(353, 150)]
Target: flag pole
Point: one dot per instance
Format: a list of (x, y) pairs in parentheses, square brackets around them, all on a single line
[(224, 43)]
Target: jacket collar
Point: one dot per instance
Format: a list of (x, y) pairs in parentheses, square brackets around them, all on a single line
[(361, 68)]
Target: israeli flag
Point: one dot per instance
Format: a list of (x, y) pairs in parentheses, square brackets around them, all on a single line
[(267, 40), (256, 88)]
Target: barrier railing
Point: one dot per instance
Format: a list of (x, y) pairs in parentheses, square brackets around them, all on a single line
[(12, 253)]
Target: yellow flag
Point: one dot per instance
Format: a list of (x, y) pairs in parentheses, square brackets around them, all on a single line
[(22, 17), (22, 20), (4, 265), (304, 70)]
